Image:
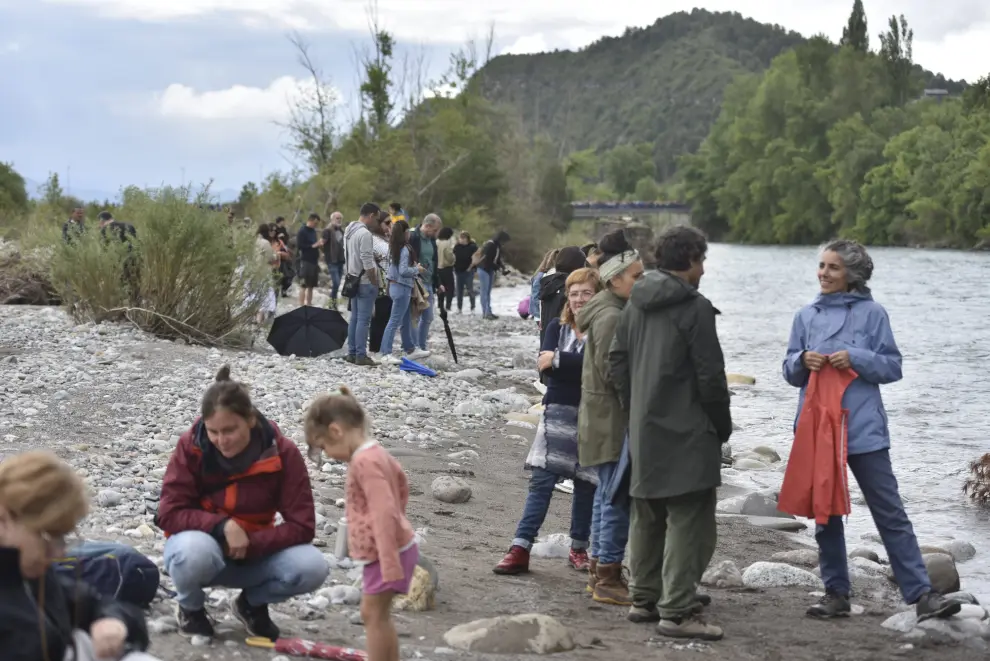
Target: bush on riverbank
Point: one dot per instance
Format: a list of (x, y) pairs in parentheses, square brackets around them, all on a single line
[(188, 274), (977, 487), (25, 281)]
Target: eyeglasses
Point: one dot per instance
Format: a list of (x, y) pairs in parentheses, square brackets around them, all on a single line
[(581, 294)]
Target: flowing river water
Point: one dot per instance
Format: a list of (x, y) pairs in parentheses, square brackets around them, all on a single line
[(939, 422)]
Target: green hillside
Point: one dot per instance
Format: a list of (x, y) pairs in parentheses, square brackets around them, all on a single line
[(661, 84)]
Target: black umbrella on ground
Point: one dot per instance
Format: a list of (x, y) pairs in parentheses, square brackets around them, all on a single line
[(446, 330), (308, 331)]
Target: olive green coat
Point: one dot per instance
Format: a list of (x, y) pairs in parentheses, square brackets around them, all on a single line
[(667, 366), (601, 420)]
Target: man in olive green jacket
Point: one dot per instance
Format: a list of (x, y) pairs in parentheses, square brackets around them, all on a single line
[(602, 426), (667, 366)]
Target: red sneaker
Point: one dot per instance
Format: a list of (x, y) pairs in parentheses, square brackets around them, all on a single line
[(578, 558), (516, 561)]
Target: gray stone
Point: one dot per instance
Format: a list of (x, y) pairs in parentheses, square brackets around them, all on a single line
[(942, 572), (109, 498), (757, 504), (723, 575), (746, 464), (776, 523), (468, 375), (779, 575), (903, 622), (960, 550), (768, 453), (511, 634), (798, 558), (866, 553), (524, 360), (450, 489), (963, 598)]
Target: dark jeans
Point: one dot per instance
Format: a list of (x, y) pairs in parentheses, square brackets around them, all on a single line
[(609, 521), (538, 504), (446, 298), (673, 540), (336, 272), (379, 320), (464, 280), (876, 480)]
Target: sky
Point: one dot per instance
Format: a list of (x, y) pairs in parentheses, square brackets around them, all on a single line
[(110, 93)]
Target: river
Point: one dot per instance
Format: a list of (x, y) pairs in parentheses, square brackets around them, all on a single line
[(938, 413)]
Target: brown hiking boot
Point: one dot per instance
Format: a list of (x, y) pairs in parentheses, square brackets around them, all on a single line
[(611, 587), (689, 627), (592, 576)]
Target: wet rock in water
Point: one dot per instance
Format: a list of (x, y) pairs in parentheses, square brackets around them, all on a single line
[(421, 595), (798, 558), (960, 550), (942, 572), (927, 549), (970, 625), (511, 634), (723, 575), (778, 575), (740, 379), (524, 360), (768, 453), (865, 553), (450, 489)]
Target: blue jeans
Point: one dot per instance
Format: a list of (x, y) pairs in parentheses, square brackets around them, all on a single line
[(400, 318), (362, 307), (609, 522), (538, 504), (425, 319), (195, 561), (487, 280), (336, 272), (464, 280), (875, 476)]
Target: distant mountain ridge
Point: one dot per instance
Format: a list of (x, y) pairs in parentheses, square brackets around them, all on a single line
[(660, 84)]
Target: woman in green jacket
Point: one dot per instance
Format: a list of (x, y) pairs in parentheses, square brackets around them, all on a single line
[(601, 420)]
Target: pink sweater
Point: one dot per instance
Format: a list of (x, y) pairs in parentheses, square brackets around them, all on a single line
[(377, 493)]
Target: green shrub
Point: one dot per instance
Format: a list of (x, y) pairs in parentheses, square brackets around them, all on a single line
[(188, 274)]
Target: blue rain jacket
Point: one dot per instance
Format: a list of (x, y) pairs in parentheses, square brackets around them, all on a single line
[(855, 322)]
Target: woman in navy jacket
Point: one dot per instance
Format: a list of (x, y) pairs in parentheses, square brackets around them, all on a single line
[(554, 453)]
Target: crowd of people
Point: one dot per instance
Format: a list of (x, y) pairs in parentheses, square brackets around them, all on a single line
[(393, 275), (635, 414)]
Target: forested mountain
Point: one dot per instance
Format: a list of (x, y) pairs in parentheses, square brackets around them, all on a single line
[(662, 84)]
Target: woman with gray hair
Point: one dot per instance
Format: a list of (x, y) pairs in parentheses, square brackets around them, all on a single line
[(840, 352)]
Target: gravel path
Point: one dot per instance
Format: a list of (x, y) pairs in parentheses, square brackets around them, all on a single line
[(112, 401)]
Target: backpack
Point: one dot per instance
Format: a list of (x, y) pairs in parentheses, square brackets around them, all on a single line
[(114, 570)]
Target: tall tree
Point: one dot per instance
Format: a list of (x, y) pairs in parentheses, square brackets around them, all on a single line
[(377, 87), (13, 192), (312, 125), (897, 52), (855, 34)]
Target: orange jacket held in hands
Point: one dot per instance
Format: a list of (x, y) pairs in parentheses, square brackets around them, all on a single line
[(815, 483)]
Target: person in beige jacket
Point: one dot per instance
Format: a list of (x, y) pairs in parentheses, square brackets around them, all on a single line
[(601, 420), (445, 264)]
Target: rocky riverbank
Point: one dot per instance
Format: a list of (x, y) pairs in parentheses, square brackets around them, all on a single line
[(113, 401)]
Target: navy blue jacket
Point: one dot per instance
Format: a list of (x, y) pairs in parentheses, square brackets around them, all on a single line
[(564, 381)]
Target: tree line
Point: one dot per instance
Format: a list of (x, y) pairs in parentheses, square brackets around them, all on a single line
[(839, 140)]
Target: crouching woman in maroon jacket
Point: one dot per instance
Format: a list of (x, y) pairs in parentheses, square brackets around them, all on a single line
[(228, 477)]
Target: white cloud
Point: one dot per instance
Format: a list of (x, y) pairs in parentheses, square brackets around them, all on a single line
[(951, 35), (239, 102)]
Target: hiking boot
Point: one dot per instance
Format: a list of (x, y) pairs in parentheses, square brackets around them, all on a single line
[(592, 576), (933, 604), (689, 627), (642, 613), (193, 623), (578, 558), (831, 605), (255, 619), (350, 359), (516, 561), (611, 587), (364, 361)]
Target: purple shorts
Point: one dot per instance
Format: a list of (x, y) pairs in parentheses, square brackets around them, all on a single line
[(373, 583)]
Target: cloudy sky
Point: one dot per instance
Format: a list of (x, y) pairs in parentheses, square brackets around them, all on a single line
[(117, 92)]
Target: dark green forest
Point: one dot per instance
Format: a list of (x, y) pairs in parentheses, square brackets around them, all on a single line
[(841, 141), (661, 85)]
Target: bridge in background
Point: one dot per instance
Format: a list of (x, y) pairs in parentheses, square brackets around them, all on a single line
[(665, 212)]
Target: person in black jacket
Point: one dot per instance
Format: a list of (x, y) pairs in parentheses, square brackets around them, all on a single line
[(464, 251), (42, 614), (490, 262), (553, 295)]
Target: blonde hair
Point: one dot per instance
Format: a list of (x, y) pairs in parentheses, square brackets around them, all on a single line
[(42, 493), (340, 406), (578, 277), (548, 260)]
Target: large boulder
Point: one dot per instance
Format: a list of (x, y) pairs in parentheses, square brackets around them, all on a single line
[(450, 489), (779, 575), (942, 572), (512, 634)]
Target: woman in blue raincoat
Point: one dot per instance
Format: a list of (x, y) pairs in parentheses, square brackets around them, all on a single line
[(844, 326)]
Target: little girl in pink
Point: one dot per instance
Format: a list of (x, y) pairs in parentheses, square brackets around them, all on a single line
[(377, 493)]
